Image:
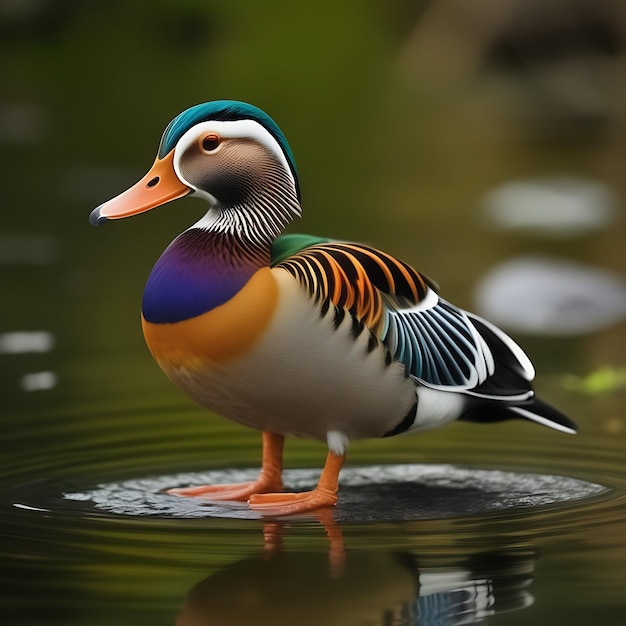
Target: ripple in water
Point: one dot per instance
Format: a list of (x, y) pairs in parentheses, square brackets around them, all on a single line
[(380, 493)]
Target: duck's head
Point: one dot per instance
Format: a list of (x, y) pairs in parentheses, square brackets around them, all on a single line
[(230, 153)]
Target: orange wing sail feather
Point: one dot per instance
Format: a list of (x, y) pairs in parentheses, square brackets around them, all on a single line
[(354, 277)]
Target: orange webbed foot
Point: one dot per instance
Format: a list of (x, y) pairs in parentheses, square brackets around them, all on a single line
[(324, 495), (269, 480), (238, 492), (292, 503)]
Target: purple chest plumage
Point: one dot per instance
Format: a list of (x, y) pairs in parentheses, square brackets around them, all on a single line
[(197, 272)]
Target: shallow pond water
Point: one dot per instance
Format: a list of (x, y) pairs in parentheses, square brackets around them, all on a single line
[(518, 524)]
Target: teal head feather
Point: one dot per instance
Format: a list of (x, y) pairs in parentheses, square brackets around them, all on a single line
[(225, 110)]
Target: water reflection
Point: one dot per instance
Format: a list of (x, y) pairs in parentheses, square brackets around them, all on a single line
[(374, 587)]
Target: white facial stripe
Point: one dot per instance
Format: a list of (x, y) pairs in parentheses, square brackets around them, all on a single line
[(231, 130)]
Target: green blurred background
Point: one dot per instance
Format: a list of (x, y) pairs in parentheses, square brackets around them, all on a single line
[(402, 116)]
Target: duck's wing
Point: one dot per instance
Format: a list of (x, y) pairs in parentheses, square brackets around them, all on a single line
[(440, 345), (446, 348)]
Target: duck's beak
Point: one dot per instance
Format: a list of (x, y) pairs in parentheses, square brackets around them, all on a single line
[(158, 186)]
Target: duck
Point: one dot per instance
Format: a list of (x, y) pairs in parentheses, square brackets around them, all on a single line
[(300, 335)]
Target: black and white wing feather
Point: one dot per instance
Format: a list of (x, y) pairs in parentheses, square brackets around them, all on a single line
[(446, 348)]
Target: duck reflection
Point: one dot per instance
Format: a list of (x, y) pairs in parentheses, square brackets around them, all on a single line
[(373, 588)]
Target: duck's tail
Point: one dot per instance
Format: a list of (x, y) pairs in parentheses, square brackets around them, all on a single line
[(533, 409)]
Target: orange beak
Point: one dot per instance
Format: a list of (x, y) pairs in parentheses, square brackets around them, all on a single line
[(158, 186)]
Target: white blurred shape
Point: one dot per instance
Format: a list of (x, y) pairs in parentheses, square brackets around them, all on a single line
[(39, 381), (26, 507), (560, 206), (545, 296), (18, 342)]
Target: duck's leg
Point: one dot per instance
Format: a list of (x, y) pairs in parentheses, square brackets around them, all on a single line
[(325, 494), (270, 479)]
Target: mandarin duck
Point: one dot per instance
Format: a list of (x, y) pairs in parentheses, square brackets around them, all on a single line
[(301, 335)]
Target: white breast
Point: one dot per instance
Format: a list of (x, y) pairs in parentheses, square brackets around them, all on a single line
[(304, 377)]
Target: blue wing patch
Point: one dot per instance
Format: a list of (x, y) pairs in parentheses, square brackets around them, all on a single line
[(444, 347)]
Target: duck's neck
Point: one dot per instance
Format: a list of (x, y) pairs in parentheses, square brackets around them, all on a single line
[(200, 270)]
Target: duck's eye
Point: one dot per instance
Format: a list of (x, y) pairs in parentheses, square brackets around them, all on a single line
[(209, 143)]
